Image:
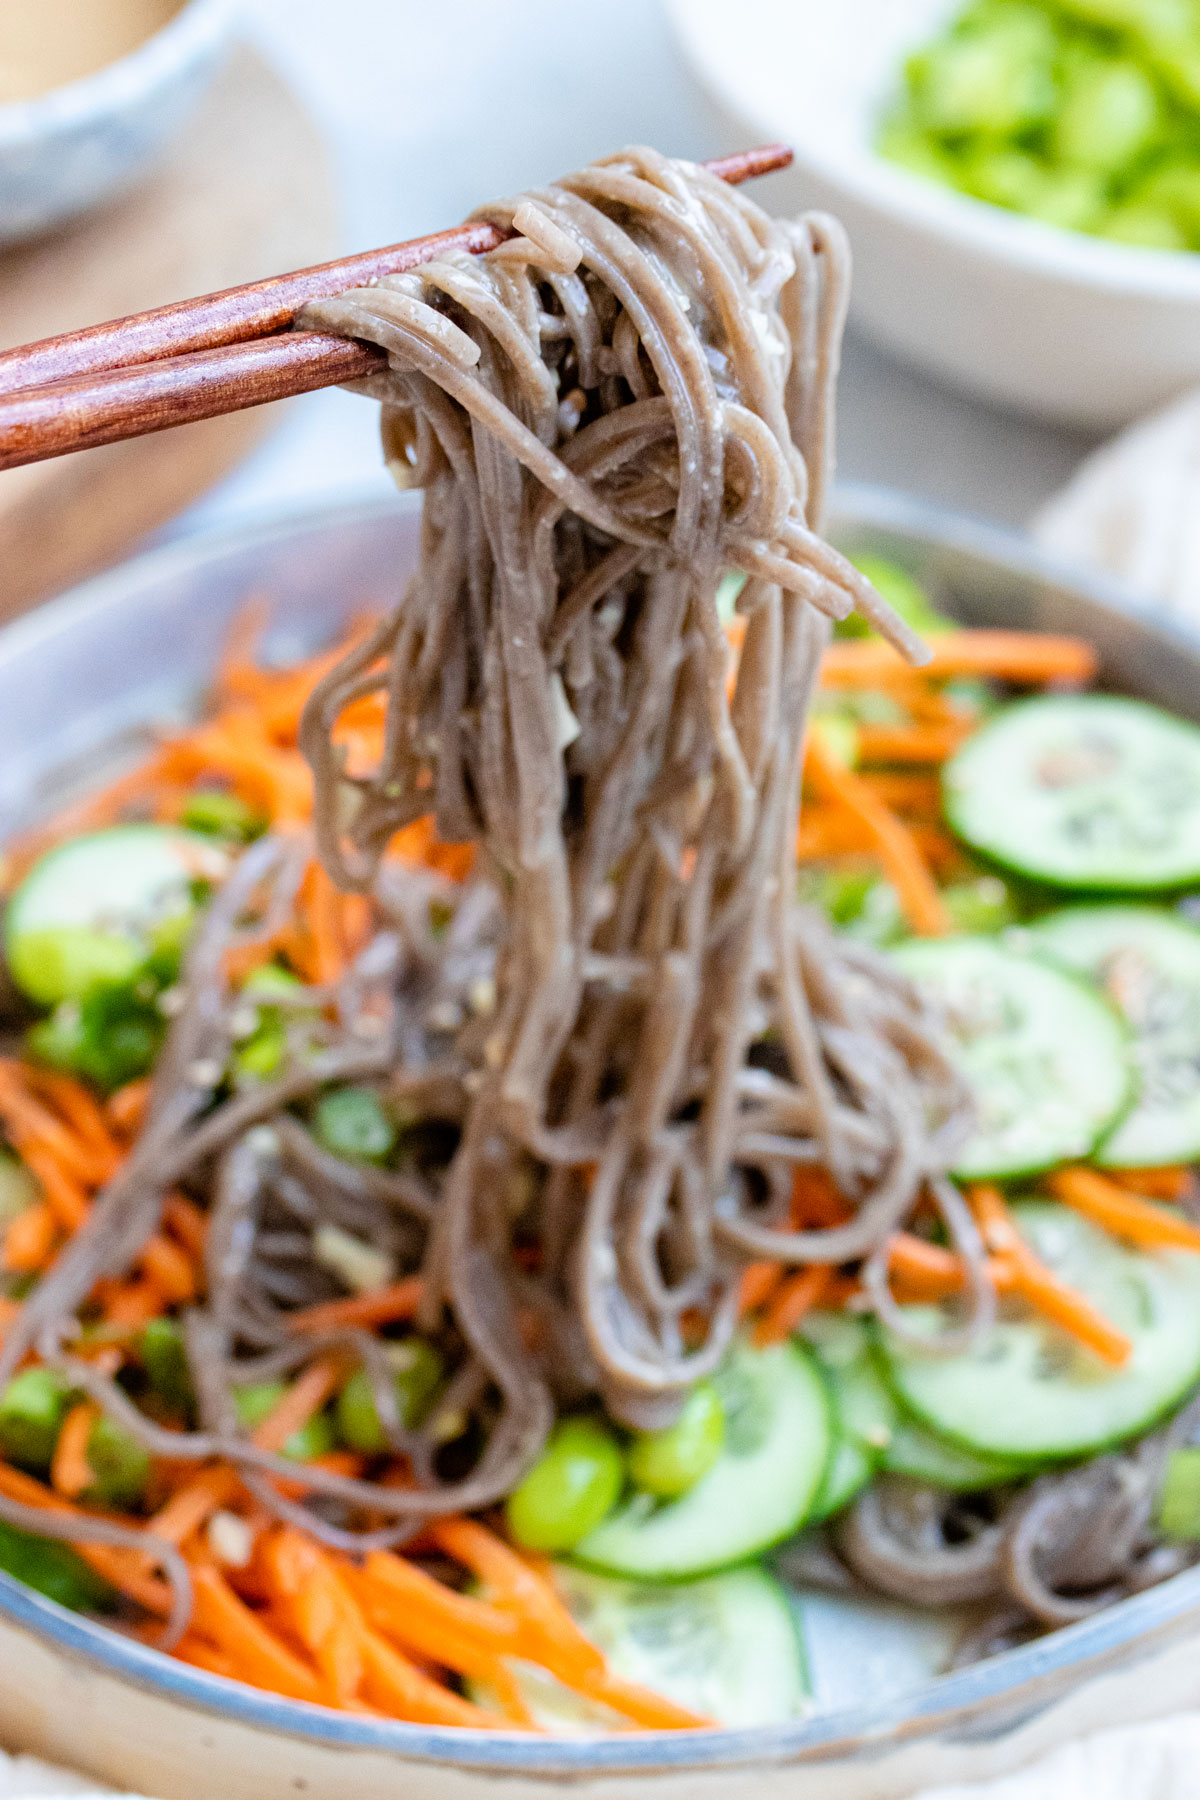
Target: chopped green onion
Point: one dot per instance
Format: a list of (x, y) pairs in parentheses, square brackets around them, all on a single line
[(351, 1122), (218, 813)]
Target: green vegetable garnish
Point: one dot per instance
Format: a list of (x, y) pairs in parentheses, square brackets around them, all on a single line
[(221, 814), (259, 1400), (351, 1122), (119, 1463), (164, 1359), (1179, 1502), (418, 1371), (32, 1410), (54, 1570), (667, 1463), (571, 1489), (1064, 110)]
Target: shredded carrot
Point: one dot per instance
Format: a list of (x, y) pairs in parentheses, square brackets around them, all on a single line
[(919, 896), (398, 1593), (923, 1270), (912, 743), (30, 1239), (306, 1396), (652, 1711), (184, 1219), (168, 1269), (387, 1307), (235, 1630), (1158, 1184), (126, 1109), (758, 1283), (1025, 657), (1141, 1221), (193, 1504), (399, 1687), (71, 1474), (554, 1637), (796, 1295), (1040, 1287)]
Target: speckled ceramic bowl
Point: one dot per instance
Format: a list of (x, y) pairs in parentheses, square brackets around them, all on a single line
[(133, 647), (66, 150)]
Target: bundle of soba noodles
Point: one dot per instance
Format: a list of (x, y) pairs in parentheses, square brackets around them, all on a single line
[(623, 1038)]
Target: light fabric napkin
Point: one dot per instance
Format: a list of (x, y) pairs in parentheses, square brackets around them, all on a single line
[(1133, 509)]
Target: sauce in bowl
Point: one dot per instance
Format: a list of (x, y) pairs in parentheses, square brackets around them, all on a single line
[(47, 43)]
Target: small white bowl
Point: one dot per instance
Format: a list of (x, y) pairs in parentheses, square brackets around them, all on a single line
[(74, 146), (1053, 322)]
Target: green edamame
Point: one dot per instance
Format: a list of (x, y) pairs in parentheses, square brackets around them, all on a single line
[(572, 1487), (669, 1462)]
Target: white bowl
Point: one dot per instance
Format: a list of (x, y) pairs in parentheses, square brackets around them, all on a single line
[(1053, 322), (74, 146)]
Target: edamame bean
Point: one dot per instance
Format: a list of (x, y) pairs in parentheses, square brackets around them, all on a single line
[(164, 1359), (32, 1410), (669, 1462), (418, 1371), (574, 1484), (119, 1463), (1110, 115)]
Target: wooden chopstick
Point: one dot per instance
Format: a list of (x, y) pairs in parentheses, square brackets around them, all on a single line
[(263, 308), (222, 353)]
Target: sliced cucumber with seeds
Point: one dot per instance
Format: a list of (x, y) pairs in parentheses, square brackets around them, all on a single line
[(1028, 1392), (778, 1438), (1049, 1061), (1084, 791), (1148, 964), (863, 1410), (727, 1647), (92, 910), (922, 1455)]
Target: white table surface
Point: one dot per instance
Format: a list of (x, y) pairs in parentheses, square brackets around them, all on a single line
[(431, 106)]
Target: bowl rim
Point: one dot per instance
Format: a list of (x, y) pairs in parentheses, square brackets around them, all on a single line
[(1025, 1679), (194, 32), (908, 199)]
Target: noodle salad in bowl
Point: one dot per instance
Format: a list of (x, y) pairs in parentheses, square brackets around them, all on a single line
[(522, 1161)]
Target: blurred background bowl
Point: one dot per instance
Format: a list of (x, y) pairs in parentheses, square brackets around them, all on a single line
[(72, 147), (1055, 323)]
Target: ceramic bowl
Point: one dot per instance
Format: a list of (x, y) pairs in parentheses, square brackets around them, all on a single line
[(1049, 321), (136, 646), (66, 150)]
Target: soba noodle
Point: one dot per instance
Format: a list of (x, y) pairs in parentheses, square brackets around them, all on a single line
[(628, 1036)]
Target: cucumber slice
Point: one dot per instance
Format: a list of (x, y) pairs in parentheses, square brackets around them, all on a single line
[(1048, 1059), (778, 1439), (1029, 1391), (924, 1456), (727, 1647), (1082, 790), (863, 1410), (92, 909), (1148, 963)]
